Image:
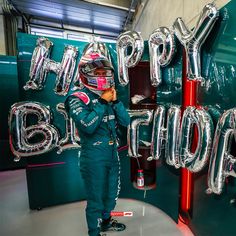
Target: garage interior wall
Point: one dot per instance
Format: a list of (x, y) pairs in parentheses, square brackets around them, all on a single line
[(2, 32), (158, 13)]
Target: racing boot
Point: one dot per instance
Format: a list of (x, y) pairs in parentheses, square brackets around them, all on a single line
[(112, 225)]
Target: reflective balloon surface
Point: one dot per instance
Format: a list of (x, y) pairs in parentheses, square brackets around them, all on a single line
[(195, 161), (31, 139), (172, 136), (71, 139), (67, 67), (40, 53), (137, 118), (193, 40), (125, 40), (158, 132), (161, 50), (41, 65), (222, 163)]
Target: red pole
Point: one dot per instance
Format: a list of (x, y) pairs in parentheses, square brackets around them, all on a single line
[(189, 99)]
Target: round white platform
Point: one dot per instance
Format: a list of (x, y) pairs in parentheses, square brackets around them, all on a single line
[(69, 220)]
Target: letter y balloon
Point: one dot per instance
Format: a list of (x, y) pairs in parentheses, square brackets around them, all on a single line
[(193, 40)]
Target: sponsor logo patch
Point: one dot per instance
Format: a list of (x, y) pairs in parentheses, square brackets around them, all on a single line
[(82, 96), (122, 213)]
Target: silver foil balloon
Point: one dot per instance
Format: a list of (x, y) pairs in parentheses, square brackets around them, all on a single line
[(41, 65), (137, 118), (193, 40), (22, 135), (158, 132), (161, 50), (65, 74), (125, 40), (71, 139), (197, 160), (97, 47), (222, 163), (50, 66), (40, 53), (76, 80), (172, 136)]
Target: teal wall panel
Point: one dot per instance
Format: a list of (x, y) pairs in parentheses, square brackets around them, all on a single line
[(215, 214), (54, 179), (9, 94), (48, 174), (55, 184), (219, 62), (51, 178), (169, 91)]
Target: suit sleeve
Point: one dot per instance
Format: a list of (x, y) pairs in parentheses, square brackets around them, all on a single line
[(85, 119), (121, 113)]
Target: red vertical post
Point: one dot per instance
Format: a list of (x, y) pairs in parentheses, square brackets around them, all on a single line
[(189, 98)]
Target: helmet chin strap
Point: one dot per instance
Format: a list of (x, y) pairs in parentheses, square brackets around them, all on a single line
[(98, 92)]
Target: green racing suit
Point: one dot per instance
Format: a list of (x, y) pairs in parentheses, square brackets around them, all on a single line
[(96, 121)]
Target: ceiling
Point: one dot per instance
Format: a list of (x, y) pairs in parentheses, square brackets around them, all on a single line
[(105, 17)]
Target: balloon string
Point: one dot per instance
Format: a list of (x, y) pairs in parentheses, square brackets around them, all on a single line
[(145, 191), (137, 162), (143, 210)]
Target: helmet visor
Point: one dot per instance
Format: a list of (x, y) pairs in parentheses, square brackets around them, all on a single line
[(95, 64), (100, 82), (100, 72)]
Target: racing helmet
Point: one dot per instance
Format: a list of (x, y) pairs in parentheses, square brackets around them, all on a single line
[(96, 72)]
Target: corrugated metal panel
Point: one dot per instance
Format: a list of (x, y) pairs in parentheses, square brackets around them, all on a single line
[(95, 17)]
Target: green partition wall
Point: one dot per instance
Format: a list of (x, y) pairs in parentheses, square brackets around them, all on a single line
[(215, 214), (55, 179), (9, 94)]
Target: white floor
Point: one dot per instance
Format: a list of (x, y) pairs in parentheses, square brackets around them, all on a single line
[(69, 220)]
